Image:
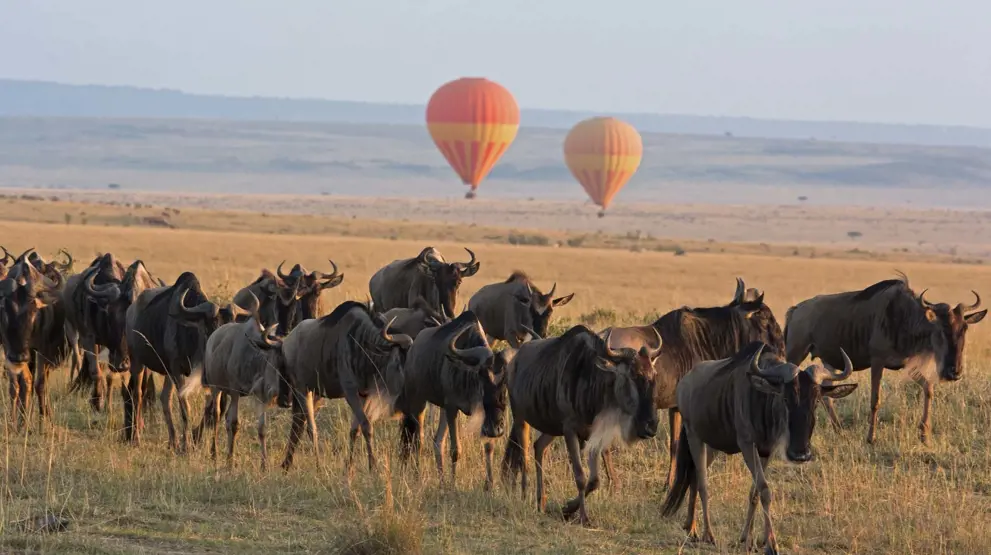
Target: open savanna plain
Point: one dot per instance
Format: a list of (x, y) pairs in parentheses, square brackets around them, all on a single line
[(897, 496)]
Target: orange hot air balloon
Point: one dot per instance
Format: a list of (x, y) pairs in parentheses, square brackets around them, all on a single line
[(603, 154), (472, 121)]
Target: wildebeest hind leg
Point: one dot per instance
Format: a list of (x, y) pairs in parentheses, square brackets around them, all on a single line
[(699, 455), (232, 428), (166, 400), (184, 420), (876, 374), (674, 434), (298, 421)]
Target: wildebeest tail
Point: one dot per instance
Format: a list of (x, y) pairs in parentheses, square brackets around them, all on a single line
[(684, 476), (514, 458), (788, 321), (409, 436)]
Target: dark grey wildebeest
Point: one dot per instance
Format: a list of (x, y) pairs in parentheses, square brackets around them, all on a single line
[(306, 288), (689, 336), (269, 290), (411, 321), (512, 309), (33, 334), (452, 367), (347, 354), (750, 403), (428, 276), (577, 387), (97, 300), (883, 326), (243, 359), (167, 329)]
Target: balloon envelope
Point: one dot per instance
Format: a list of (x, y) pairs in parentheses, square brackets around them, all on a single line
[(603, 154), (472, 121)]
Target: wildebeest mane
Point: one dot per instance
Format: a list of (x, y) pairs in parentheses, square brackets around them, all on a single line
[(341, 311), (881, 286), (518, 275), (693, 335)]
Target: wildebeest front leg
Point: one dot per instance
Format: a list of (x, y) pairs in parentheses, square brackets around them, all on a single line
[(594, 456), (262, 422), (14, 388), (358, 410), (928, 389), (452, 430), (876, 372), (756, 467), (232, 428), (41, 389), (539, 446), (298, 421), (489, 479), (574, 454), (674, 434), (614, 484), (132, 404), (439, 444), (166, 399), (26, 382), (752, 500)]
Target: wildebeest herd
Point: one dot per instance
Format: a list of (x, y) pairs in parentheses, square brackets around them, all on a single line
[(728, 375)]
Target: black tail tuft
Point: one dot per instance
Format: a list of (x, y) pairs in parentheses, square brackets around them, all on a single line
[(684, 476), (409, 436)]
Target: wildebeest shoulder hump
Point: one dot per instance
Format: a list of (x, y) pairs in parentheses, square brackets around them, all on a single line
[(878, 288), (342, 309)]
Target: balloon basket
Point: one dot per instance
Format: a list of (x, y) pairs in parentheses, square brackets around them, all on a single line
[(602, 213), (470, 195)]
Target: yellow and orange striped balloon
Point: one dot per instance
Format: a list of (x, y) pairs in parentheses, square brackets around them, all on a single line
[(472, 121), (603, 153)]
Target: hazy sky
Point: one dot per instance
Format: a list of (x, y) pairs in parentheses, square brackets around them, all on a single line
[(906, 61)]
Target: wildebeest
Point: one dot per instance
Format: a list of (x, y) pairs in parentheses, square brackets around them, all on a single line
[(347, 354), (32, 329), (576, 386), (399, 283), (269, 290), (749, 403), (166, 330), (304, 300), (507, 310), (883, 326), (452, 367), (242, 359), (692, 335), (97, 300), (411, 321)]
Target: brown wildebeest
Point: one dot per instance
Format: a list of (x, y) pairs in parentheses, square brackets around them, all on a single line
[(577, 387), (399, 283), (452, 367), (347, 354), (883, 326), (306, 288), (242, 359), (512, 310), (167, 329), (691, 335), (411, 321), (33, 334), (749, 403)]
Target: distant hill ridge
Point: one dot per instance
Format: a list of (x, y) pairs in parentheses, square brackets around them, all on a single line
[(47, 99)]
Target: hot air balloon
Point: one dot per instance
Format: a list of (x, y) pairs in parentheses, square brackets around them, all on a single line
[(472, 121), (603, 153)]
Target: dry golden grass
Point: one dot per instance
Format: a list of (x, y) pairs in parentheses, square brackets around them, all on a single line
[(897, 496)]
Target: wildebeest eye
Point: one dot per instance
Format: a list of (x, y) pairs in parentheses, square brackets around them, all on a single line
[(523, 300)]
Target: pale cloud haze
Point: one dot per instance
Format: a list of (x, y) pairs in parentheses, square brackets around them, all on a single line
[(878, 60)]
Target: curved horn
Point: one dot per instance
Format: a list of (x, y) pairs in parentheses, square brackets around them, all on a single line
[(400, 339), (205, 308), (69, 261), (976, 304), (7, 257), (251, 310), (24, 254), (740, 290), (754, 362), (820, 373), (323, 276), (282, 276), (551, 292), (478, 354), (532, 333), (269, 337), (617, 353), (469, 268), (108, 292), (654, 353), (922, 299)]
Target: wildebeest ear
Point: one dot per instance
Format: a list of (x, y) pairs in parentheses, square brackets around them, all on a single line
[(930, 315), (975, 317), (761, 384), (838, 391), (626, 393), (561, 301)]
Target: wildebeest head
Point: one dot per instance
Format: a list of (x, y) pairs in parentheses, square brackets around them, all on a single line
[(446, 276), (113, 296), (304, 289), (396, 347), (949, 333), (800, 390), (635, 379), (751, 302), (190, 307), (23, 299), (536, 308), (480, 361)]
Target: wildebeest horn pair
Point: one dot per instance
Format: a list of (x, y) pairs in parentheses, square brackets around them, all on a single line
[(975, 306), (107, 292), (468, 269), (787, 372)]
